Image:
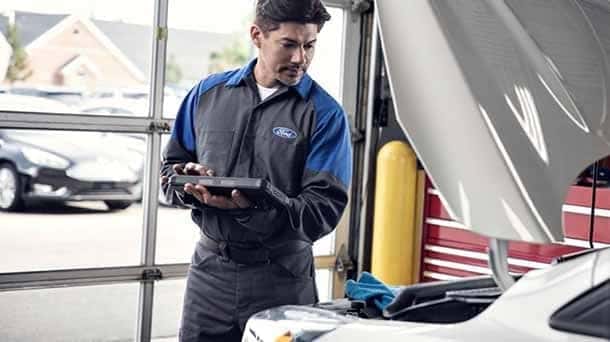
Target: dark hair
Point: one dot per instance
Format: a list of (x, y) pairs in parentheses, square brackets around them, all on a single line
[(270, 13)]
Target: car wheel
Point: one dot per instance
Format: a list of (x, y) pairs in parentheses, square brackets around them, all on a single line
[(11, 196), (118, 205)]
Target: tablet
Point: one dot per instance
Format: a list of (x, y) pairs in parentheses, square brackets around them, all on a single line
[(257, 190)]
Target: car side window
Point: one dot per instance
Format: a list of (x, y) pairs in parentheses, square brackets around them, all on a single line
[(588, 314)]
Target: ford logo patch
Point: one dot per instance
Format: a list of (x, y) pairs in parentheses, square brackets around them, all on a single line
[(284, 132)]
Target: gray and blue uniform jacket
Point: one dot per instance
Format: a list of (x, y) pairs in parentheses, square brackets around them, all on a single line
[(298, 139)]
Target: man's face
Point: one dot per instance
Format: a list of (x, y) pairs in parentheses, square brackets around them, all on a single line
[(285, 53)]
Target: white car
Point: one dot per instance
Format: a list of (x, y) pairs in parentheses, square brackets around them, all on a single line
[(505, 102), (553, 304)]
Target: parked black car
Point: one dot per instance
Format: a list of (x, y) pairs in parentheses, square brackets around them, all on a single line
[(69, 166)]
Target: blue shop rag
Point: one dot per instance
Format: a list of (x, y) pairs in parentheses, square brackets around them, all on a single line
[(368, 287)]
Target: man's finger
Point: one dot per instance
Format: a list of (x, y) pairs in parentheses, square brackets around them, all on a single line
[(164, 180), (178, 168), (196, 169), (205, 194), (191, 189), (190, 169), (240, 200), (221, 202)]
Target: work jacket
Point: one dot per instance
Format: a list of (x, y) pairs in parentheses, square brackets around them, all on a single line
[(297, 139)]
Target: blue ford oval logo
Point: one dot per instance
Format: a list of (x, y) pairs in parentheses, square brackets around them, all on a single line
[(284, 132)]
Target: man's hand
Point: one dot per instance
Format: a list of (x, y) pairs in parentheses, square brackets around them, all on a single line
[(192, 169), (237, 199)]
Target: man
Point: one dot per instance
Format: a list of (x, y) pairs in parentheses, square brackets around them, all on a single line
[(266, 120)]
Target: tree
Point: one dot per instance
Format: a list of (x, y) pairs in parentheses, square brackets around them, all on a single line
[(232, 56), (173, 73), (236, 54), (18, 69)]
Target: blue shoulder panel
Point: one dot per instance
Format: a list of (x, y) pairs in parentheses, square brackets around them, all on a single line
[(330, 146), (183, 130)]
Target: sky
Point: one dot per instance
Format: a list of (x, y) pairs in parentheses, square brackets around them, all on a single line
[(227, 15)]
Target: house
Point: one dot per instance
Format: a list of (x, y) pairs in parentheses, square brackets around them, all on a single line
[(83, 53)]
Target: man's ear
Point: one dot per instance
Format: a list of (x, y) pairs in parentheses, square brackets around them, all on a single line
[(256, 35)]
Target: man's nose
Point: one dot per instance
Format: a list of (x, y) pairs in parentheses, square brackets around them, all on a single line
[(298, 56)]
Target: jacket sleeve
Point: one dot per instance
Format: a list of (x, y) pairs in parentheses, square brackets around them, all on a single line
[(317, 210), (181, 145)]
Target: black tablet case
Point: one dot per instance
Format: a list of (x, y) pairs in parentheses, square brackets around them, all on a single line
[(257, 190)]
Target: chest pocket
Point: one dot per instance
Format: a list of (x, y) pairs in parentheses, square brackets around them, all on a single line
[(215, 149)]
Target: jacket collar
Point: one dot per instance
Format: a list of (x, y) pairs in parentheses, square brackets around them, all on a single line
[(303, 87)]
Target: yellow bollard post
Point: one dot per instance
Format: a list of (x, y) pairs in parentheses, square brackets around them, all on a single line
[(394, 217)]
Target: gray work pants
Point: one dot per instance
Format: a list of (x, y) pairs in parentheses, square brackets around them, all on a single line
[(221, 295)]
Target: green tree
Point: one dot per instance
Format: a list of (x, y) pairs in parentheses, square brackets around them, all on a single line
[(18, 69), (232, 56), (173, 72), (237, 53)]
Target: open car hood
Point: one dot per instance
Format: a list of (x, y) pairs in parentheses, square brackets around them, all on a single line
[(504, 101)]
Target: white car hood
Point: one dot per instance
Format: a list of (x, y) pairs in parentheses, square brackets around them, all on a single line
[(520, 314), (505, 102)]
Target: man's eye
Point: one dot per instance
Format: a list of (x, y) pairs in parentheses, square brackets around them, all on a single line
[(309, 46), (288, 45)]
